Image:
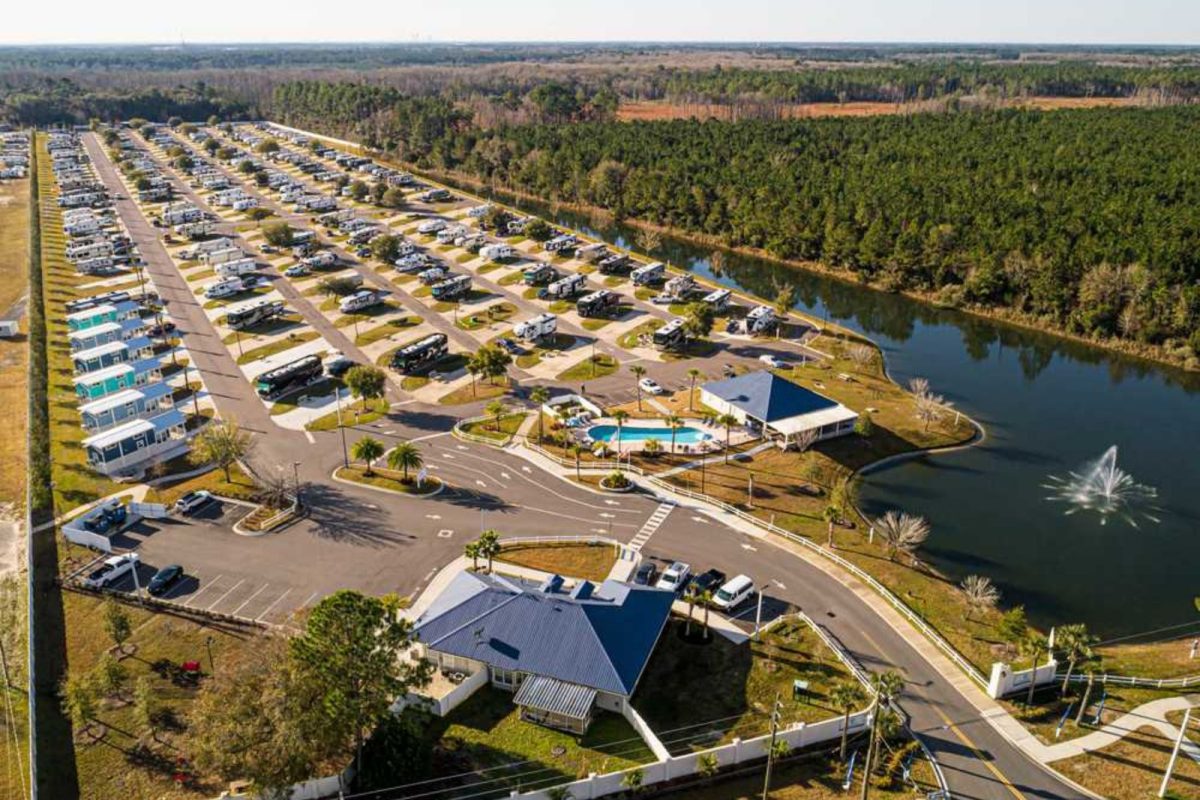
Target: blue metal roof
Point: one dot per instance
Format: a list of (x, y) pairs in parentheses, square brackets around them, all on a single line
[(767, 397), (602, 641)]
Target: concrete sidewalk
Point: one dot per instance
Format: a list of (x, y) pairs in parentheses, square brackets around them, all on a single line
[(1148, 715)]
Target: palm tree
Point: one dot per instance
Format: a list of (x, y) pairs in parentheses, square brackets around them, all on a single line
[(471, 551), (489, 546), (367, 450), (633, 780), (559, 793), (539, 395), (693, 374), (620, 416), (887, 687), (673, 422), (577, 450), (707, 766), (902, 531), (831, 515), (1076, 643), (1035, 646), (495, 410), (405, 456), (981, 594), (728, 421), (705, 599), (847, 696), (638, 372)]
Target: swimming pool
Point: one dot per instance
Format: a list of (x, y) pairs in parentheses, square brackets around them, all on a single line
[(636, 433)]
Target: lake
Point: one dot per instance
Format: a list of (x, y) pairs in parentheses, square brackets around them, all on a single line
[(1050, 406)]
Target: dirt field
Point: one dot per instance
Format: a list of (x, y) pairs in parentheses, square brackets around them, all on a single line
[(657, 110)]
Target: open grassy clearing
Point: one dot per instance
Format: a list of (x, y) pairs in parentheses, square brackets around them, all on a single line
[(500, 431), (14, 353), (569, 559), (475, 392), (392, 480), (590, 368), (239, 486), (353, 413), (1132, 768), (486, 732), (738, 682)]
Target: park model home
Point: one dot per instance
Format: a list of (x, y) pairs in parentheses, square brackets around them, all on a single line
[(104, 382), (112, 353), (129, 446), (99, 315), (137, 403), (777, 408), (106, 332), (562, 653)]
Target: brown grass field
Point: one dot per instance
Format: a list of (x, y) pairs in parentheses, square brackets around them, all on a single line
[(14, 281)]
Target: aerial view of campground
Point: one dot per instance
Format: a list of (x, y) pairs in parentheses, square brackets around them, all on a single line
[(499, 415)]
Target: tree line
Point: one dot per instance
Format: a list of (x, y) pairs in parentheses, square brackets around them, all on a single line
[(1085, 219), (63, 102)]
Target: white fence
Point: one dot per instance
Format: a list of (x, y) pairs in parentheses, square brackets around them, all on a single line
[(473, 682), (736, 752), (643, 728)]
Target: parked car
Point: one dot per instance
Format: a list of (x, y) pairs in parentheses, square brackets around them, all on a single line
[(111, 571), (772, 361), (163, 329), (164, 579), (645, 574), (706, 582), (269, 249), (338, 365), (509, 345), (363, 252), (651, 386), (674, 577), (192, 501), (297, 271)]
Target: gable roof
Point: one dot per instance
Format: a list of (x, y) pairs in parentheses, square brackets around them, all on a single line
[(767, 397), (600, 640)]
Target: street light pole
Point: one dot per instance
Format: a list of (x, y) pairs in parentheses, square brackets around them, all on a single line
[(208, 645), (296, 479), (337, 392)]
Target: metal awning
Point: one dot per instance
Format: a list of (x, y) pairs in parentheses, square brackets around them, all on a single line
[(556, 697)]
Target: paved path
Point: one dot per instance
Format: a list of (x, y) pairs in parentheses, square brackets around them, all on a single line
[(1148, 715)]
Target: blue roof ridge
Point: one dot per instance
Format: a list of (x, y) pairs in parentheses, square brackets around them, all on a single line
[(603, 649), (471, 621)]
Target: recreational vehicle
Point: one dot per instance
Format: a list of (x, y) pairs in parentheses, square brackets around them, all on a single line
[(651, 273), (600, 303), (361, 300), (289, 377), (498, 252), (225, 287), (539, 275), (537, 328), (562, 288), (421, 354), (451, 288), (236, 268), (255, 314), (671, 335)]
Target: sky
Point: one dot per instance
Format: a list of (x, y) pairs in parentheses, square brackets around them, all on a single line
[(1018, 21)]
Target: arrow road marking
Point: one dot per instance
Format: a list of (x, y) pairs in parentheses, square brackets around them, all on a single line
[(751, 548), (433, 516)]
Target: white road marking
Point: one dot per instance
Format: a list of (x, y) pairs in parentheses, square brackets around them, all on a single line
[(506, 476), (749, 547), (461, 446), (604, 515), (525, 469), (433, 516), (445, 533), (480, 483), (311, 439), (779, 584), (311, 597), (447, 456), (272, 606), (611, 503), (222, 597), (701, 520), (251, 597), (600, 530), (203, 589)]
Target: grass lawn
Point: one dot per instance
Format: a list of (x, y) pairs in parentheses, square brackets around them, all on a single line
[(277, 346), (474, 392), (486, 731), (127, 762), (509, 424), (384, 478), (533, 356), (589, 369), (595, 324), (14, 353), (1132, 768), (803, 779), (738, 683), (575, 560), (496, 313), (629, 340), (512, 278), (353, 413), (240, 485), (385, 330)]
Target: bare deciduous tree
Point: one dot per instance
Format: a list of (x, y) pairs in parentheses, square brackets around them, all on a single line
[(902, 531), (981, 594), (861, 354)]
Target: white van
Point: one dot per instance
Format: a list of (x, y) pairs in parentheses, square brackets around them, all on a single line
[(733, 592)]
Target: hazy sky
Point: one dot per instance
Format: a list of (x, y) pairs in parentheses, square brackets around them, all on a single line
[(1089, 21)]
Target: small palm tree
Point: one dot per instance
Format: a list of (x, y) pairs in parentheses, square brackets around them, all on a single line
[(404, 457), (620, 416), (471, 551), (727, 421), (692, 374), (981, 594), (902, 531), (707, 766), (559, 793), (539, 395), (367, 450), (673, 422), (633, 780), (495, 410), (1034, 646), (1076, 644), (489, 546), (638, 372), (705, 599), (846, 696), (577, 450), (831, 515)]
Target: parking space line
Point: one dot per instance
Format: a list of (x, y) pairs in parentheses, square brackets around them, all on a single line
[(311, 597), (203, 589), (222, 597), (274, 603), (248, 599)]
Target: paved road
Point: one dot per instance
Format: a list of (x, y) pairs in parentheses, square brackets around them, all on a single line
[(357, 537)]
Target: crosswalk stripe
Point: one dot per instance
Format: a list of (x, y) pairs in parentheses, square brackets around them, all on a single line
[(651, 525)]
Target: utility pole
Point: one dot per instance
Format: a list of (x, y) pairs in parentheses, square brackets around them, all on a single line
[(1162, 790), (771, 748)]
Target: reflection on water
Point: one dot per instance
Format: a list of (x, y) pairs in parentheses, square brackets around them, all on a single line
[(1048, 405)]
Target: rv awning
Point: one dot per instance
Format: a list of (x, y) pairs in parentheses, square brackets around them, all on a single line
[(556, 697), (813, 420)]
